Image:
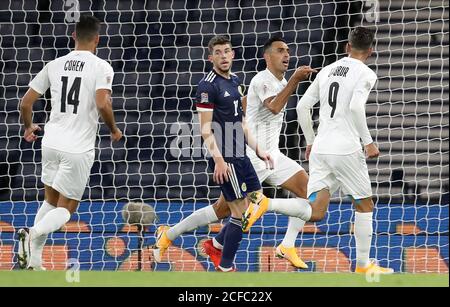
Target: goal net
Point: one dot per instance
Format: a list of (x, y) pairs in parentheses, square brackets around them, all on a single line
[(158, 51)]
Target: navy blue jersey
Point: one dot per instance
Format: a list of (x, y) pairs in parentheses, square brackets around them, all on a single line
[(223, 97)]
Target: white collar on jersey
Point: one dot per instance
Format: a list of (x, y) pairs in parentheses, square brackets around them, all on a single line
[(81, 51), (354, 60), (274, 76)]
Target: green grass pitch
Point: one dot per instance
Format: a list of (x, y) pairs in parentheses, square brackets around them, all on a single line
[(208, 279)]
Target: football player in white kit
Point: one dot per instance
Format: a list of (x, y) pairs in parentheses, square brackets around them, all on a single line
[(80, 85), (266, 101), (336, 158)]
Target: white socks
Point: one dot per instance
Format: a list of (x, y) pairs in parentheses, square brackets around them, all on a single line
[(37, 244), (295, 207), (363, 237), (198, 218), (294, 227), (217, 244), (51, 222), (299, 211)]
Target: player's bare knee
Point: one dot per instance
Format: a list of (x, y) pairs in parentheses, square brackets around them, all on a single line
[(71, 210), (317, 215), (318, 211), (364, 206), (302, 192), (237, 207), (51, 195), (70, 204), (319, 205), (221, 209), (52, 199)]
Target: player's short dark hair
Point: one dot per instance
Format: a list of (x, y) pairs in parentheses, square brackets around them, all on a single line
[(361, 38), (218, 40), (87, 28), (272, 40)]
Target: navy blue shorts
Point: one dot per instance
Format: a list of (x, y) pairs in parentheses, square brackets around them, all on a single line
[(241, 181)]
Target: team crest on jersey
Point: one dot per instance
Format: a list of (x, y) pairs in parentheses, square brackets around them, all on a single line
[(243, 187), (204, 98)]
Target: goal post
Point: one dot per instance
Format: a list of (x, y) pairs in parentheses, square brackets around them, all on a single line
[(158, 52)]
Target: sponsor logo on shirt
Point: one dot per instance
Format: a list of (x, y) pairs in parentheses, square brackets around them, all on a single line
[(226, 94)]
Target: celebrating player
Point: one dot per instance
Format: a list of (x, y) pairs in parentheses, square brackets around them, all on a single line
[(335, 155), (80, 85)]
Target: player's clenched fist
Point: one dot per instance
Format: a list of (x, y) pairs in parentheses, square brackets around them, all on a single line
[(116, 135), (29, 134), (371, 150)]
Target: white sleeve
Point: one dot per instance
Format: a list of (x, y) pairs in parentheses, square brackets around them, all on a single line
[(41, 82), (265, 89), (104, 77), (357, 106), (304, 106)]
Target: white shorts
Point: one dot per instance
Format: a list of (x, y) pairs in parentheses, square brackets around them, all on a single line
[(348, 172), (284, 168), (67, 173)]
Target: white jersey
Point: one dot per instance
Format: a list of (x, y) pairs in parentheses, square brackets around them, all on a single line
[(262, 123), (337, 86), (73, 80)]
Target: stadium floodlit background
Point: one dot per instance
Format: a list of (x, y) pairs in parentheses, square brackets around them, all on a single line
[(157, 50)]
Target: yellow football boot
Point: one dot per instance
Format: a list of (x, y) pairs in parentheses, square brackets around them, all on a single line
[(374, 268), (162, 243), (290, 254), (257, 207)]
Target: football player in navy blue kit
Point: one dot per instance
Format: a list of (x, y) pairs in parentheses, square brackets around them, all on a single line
[(225, 135)]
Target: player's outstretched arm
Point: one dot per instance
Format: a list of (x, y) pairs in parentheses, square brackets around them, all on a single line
[(104, 106), (26, 110), (221, 167), (276, 103)]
